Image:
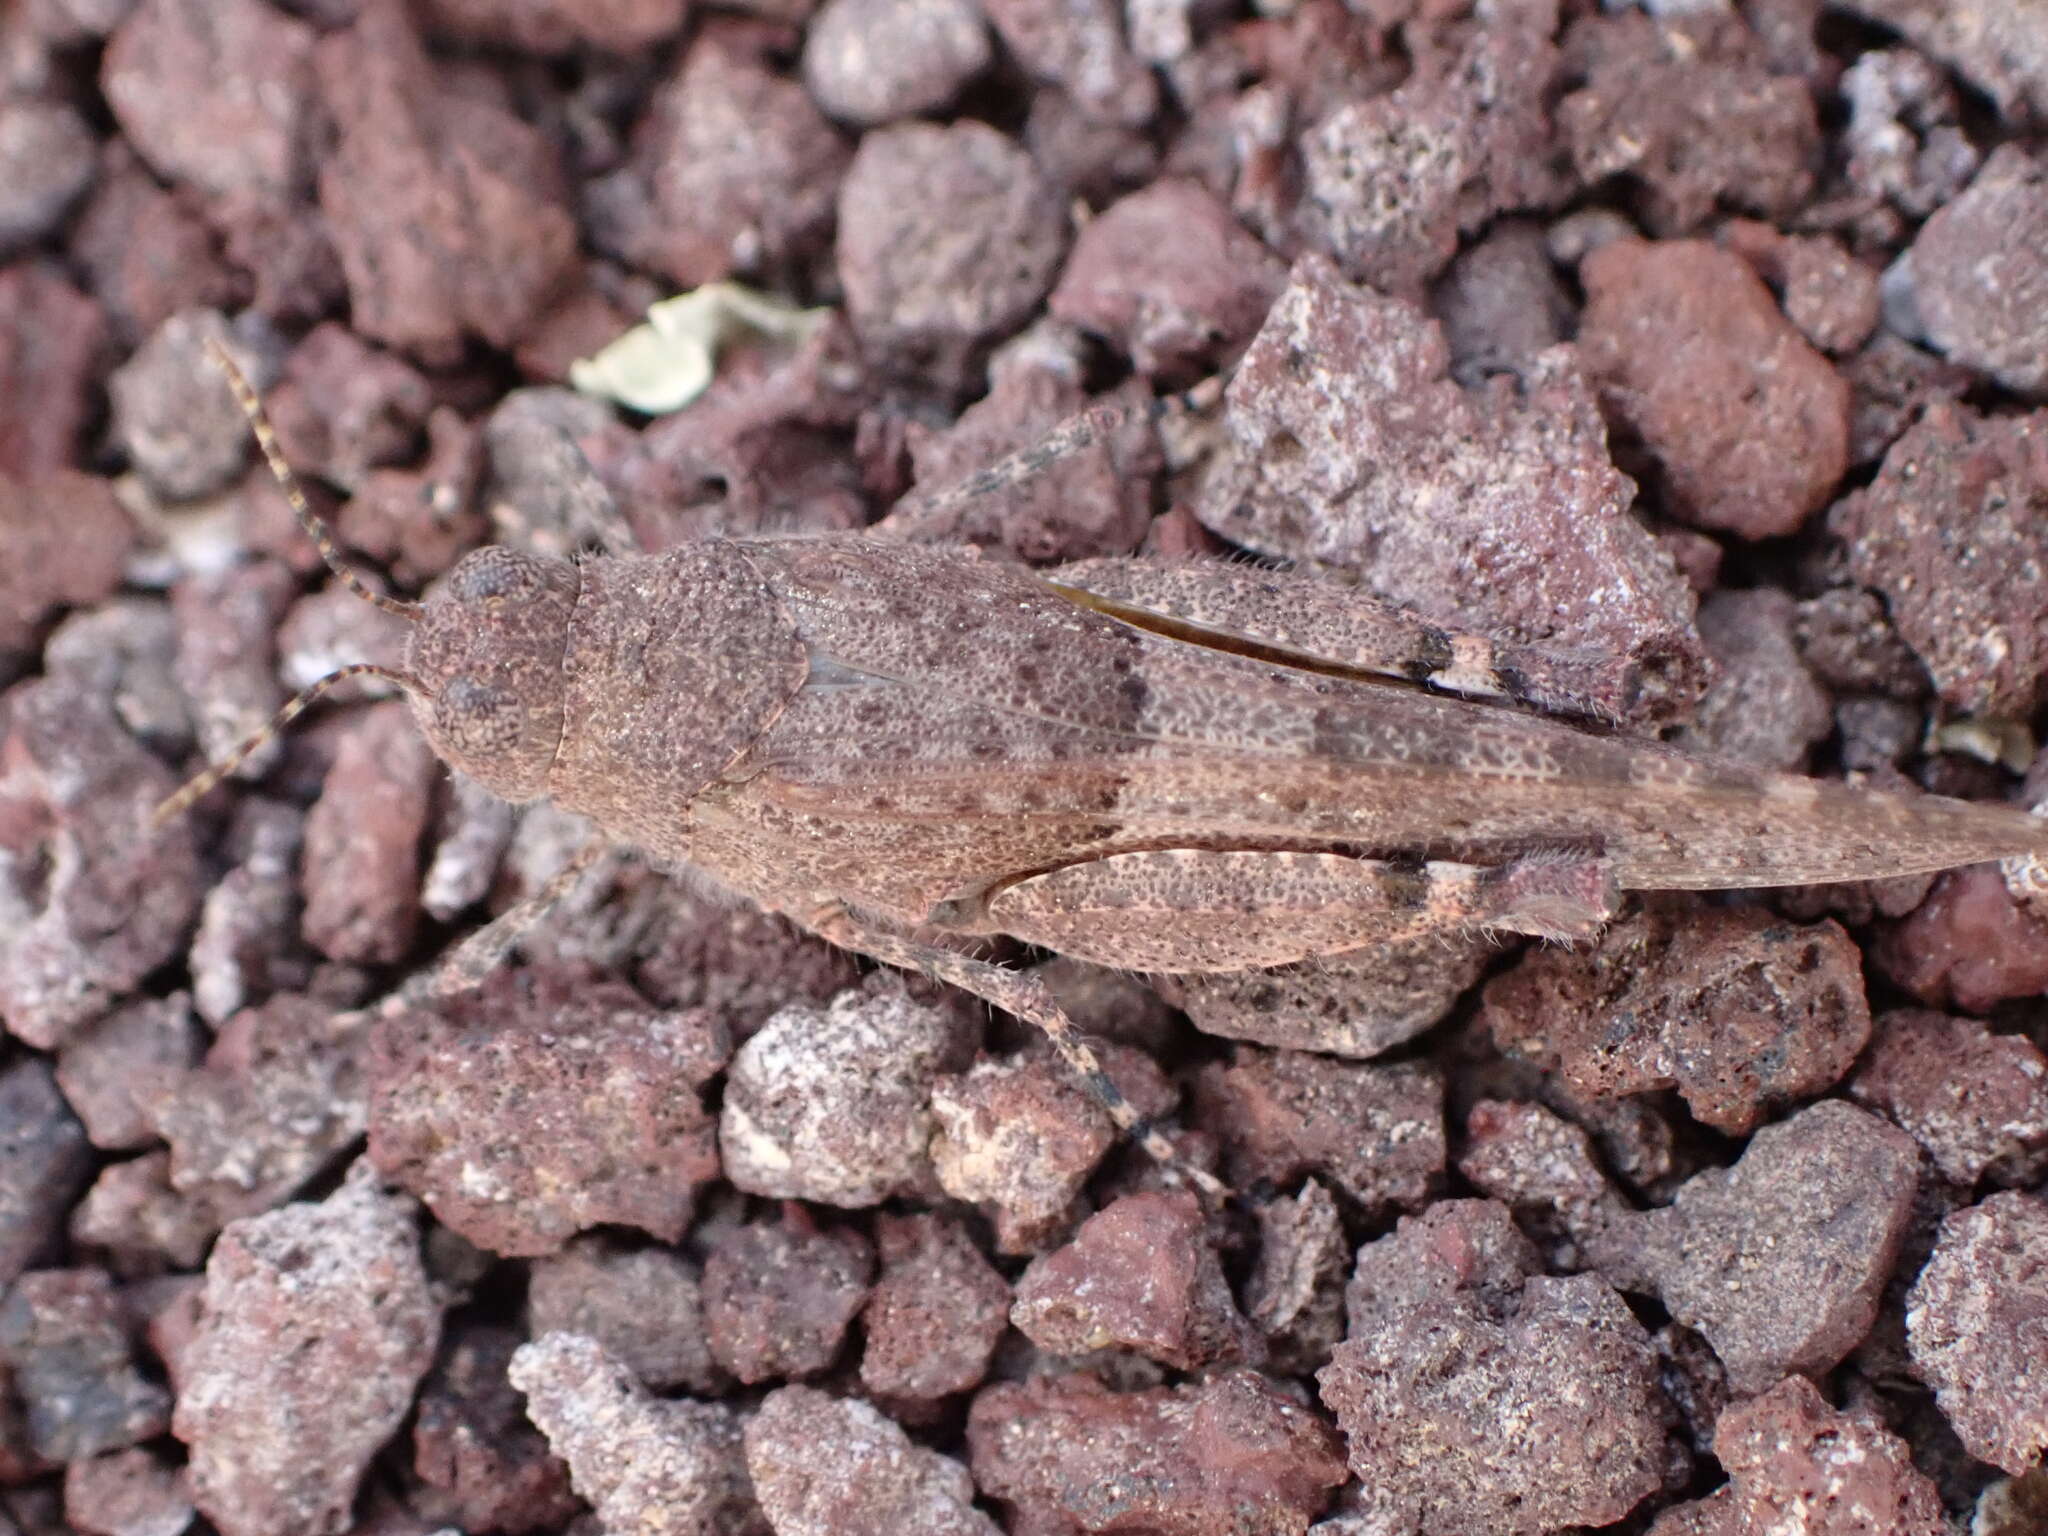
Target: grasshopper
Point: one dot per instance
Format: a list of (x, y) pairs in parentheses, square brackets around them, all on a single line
[(1164, 768)]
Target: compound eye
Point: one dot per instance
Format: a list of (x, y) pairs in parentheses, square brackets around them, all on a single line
[(477, 720), (492, 575)]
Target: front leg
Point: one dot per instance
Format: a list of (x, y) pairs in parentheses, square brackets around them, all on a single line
[(1190, 910), (1024, 996)]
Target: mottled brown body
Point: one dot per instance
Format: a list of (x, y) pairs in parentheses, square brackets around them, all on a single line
[(931, 741)]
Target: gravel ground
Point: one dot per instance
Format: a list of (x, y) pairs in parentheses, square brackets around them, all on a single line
[(1707, 339)]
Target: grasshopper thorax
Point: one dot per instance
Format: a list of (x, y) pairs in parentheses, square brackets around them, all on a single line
[(485, 659)]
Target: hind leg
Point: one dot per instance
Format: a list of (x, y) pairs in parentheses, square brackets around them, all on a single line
[(1201, 910)]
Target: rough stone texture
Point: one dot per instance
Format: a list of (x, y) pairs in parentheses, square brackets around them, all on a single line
[(174, 415), (1170, 278), (1536, 1397), (243, 135), (824, 1466), (1390, 181), (732, 170), (1779, 1260), (1350, 444), (1347, 1005), (1375, 1133), (1078, 46), (558, 26), (644, 1306), (874, 61), (1795, 1464), (1543, 1167), (316, 1325), (134, 1219), (1968, 945), (226, 663), (343, 408), (1232, 1453), (127, 1493), (1295, 1294), (1905, 135), (935, 1314), (778, 1296), (110, 1070), (948, 237), (1739, 1010), (1977, 1327), (446, 208), (146, 252), (93, 898), (1978, 275), (1977, 1102), (1891, 384), (1947, 534), (659, 1468), (1997, 45), (1688, 108), (545, 1103), (360, 872), (51, 336), (281, 1093), (1141, 1274), (64, 1340), (834, 1104), (1501, 303), (1830, 295), (1747, 424), (1097, 501), (46, 163), (66, 539), (483, 1466), (1764, 707)]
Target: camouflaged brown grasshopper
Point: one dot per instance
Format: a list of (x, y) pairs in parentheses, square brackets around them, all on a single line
[(1191, 768)]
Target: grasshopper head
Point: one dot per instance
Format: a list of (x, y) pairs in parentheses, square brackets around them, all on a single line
[(486, 655)]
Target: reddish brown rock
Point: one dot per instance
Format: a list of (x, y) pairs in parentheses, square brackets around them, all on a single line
[(247, 947), (1764, 707), (1847, 638), (66, 540), (174, 415), (315, 1328), (1749, 426), (1977, 1102), (1979, 279), (147, 253), (1375, 1133), (1969, 945), (446, 209), (778, 1296), (483, 1466), (360, 873), (664, 1468), (1350, 444), (1779, 1260), (1687, 107), (51, 338), (112, 1069), (1945, 534), (948, 238), (1078, 46), (135, 1492), (280, 1094), (114, 894), (1295, 1294), (342, 407), (644, 1306), (873, 61), (64, 1339), (1830, 295), (1144, 1274), (1023, 1135), (823, 1466), (558, 26), (1170, 278), (1451, 1357), (216, 95), (732, 170), (1739, 1010), (542, 1104), (1097, 501), (1795, 1463), (1543, 1166), (935, 1314), (139, 1224), (1977, 1326), (1232, 1453), (834, 1104), (1346, 1005), (1892, 383), (418, 522)]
